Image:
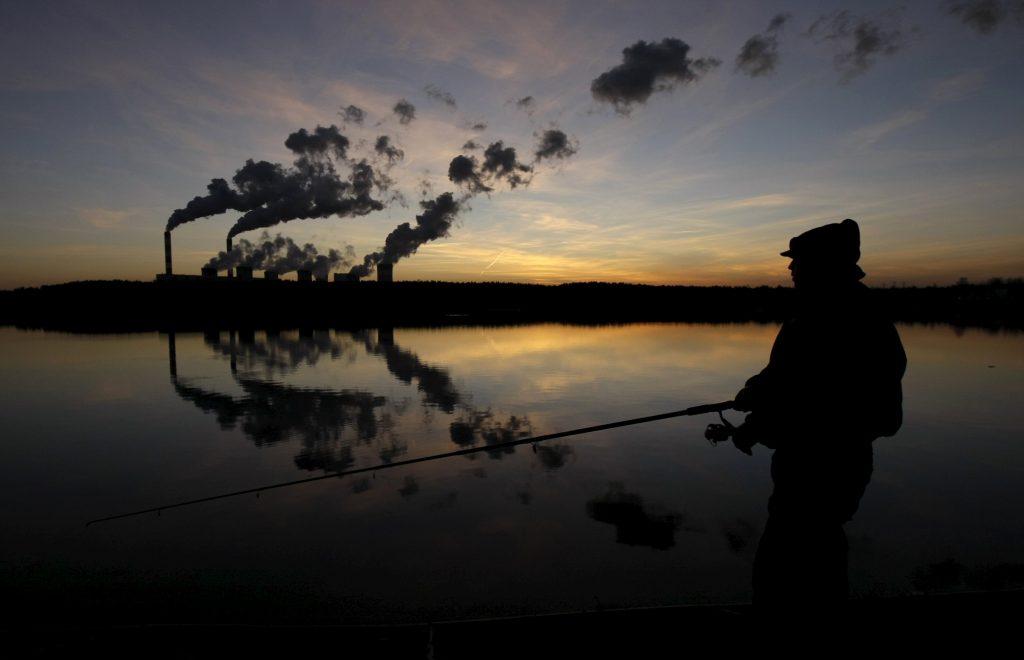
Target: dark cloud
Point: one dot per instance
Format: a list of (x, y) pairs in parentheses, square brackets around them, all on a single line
[(760, 54), (471, 145), (858, 41), (647, 68), (353, 114), (384, 148), (282, 255), (435, 221), (983, 15), (479, 126), (554, 143), (406, 111), (439, 94)]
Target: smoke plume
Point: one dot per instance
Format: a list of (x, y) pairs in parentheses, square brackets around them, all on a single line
[(983, 15), (647, 68), (500, 163), (314, 189), (858, 41), (435, 221), (353, 114), (269, 193), (439, 94), (553, 143), (760, 54), (282, 255), (527, 104), (320, 142), (406, 111), (463, 172), (384, 148)]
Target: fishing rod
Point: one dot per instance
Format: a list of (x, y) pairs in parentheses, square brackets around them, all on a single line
[(714, 433)]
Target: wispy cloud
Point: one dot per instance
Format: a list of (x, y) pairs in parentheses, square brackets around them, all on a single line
[(869, 135), (104, 218), (957, 87), (562, 224)]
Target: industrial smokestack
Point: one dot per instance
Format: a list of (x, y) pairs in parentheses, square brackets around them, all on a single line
[(385, 272), (167, 252), (304, 275), (172, 353), (245, 272), (230, 272)]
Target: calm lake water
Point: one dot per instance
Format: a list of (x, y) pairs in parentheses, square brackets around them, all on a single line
[(94, 426)]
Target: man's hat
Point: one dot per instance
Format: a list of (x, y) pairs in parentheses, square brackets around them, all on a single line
[(837, 243)]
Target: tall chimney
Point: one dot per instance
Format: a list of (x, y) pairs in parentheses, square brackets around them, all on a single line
[(172, 353), (167, 252), (230, 273)]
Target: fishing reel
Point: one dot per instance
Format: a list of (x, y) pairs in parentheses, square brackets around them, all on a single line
[(715, 433)]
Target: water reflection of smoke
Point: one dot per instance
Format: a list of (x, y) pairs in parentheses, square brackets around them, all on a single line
[(325, 420), (434, 382), (475, 426), (635, 523), (271, 413), (277, 354)]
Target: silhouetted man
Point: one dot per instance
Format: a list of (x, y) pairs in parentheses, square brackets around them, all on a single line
[(831, 387)]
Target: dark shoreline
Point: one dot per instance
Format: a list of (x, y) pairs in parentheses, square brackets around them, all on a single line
[(196, 304)]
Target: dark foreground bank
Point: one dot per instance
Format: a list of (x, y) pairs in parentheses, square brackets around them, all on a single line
[(195, 304), (979, 622)]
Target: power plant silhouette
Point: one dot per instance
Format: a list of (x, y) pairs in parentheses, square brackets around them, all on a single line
[(244, 272)]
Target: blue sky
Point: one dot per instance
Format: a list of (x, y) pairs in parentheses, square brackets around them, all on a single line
[(114, 114)]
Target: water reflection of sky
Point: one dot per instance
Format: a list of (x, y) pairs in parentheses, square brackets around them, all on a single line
[(637, 516)]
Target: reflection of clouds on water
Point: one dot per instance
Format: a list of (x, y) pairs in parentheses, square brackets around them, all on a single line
[(271, 413), (434, 382), (276, 354), (740, 536), (476, 426), (409, 487), (330, 424), (635, 522), (553, 456)]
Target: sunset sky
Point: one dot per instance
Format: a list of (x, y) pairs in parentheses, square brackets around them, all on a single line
[(904, 116)]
